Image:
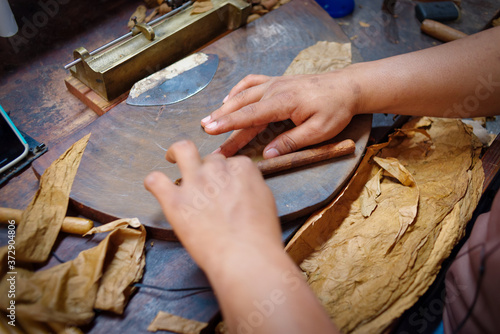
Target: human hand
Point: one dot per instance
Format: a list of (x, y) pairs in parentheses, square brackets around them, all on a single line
[(225, 216), (319, 105), (222, 211)]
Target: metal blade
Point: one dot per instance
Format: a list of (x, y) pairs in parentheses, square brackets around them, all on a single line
[(176, 82)]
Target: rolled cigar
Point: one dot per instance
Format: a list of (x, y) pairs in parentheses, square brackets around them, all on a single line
[(73, 225), (306, 157), (440, 31), (302, 158)]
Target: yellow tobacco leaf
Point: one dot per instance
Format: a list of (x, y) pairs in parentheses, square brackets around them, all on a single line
[(202, 7), (370, 193), (407, 208), (43, 218), (321, 57), (100, 277), (364, 279), (173, 323)]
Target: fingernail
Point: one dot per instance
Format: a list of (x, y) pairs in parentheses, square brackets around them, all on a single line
[(271, 153), (225, 99), (206, 119), (211, 126), (216, 151)]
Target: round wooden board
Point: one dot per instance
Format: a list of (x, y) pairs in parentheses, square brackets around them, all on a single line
[(129, 142)]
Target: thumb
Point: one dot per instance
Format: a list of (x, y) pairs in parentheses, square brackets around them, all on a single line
[(162, 188)]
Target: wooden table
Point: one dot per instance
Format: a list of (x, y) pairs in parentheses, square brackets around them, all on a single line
[(33, 91)]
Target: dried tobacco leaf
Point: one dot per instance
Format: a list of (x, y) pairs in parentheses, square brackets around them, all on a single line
[(363, 279), (7, 328), (132, 222), (42, 219), (64, 329), (138, 16), (123, 268), (100, 277), (371, 191), (169, 322), (321, 57), (408, 206), (202, 6)]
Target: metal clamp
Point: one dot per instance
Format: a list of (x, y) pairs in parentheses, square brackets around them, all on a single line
[(145, 29)]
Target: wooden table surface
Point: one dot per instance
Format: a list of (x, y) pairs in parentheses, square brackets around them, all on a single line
[(33, 91)]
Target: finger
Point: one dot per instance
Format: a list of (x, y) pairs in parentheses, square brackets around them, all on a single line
[(256, 114), (245, 96), (247, 82), (213, 164), (242, 166), (308, 133), (248, 96), (162, 188), (238, 139), (214, 158), (187, 157)]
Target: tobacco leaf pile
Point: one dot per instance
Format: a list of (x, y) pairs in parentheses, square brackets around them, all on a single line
[(398, 219)]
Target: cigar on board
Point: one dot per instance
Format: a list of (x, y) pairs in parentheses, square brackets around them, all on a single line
[(306, 157), (302, 158), (73, 225)]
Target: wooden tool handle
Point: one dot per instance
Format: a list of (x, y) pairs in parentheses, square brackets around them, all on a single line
[(440, 31), (306, 157), (73, 225)]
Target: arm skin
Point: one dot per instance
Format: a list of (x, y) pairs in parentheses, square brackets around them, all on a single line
[(457, 79), (225, 216)]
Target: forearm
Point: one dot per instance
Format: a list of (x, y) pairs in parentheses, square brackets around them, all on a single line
[(265, 292), (457, 79)]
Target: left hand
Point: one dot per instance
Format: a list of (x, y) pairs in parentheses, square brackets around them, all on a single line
[(320, 106)]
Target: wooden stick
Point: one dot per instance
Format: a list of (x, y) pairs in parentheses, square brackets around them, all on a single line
[(306, 157), (440, 31), (73, 225)]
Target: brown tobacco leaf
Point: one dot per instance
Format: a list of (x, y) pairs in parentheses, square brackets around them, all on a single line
[(269, 4), (64, 329), (371, 191), (168, 322), (201, 6), (132, 222), (139, 15), (408, 206), (321, 57), (100, 277), (164, 9), (42, 219), (123, 269), (23, 326), (362, 277), (151, 16)]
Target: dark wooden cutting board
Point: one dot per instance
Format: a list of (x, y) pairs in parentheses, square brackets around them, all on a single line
[(129, 142)]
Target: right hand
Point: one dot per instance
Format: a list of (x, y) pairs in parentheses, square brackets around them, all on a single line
[(223, 212), (320, 106)]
